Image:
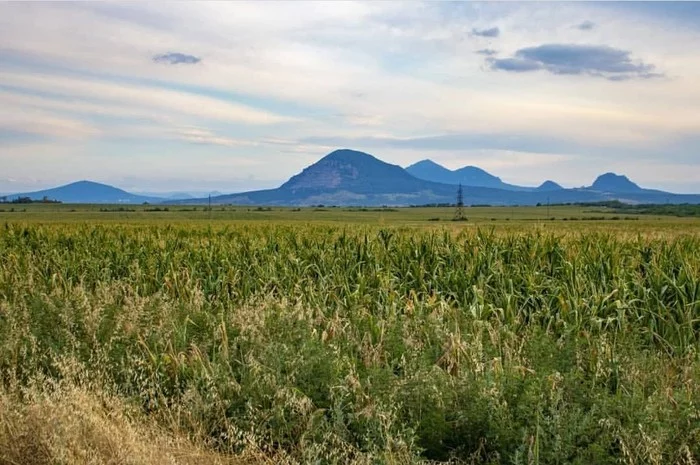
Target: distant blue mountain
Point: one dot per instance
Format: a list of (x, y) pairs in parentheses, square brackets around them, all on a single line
[(87, 192), (431, 171), (548, 186), (611, 182), (467, 176), (357, 172)]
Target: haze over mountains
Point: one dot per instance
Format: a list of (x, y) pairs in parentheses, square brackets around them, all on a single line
[(179, 195), (349, 177)]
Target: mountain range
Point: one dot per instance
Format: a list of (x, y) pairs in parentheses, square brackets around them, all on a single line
[(469, 176), (349, 177)]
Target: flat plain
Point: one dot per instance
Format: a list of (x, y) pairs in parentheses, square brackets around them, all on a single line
[(165, 334), (557, 216)]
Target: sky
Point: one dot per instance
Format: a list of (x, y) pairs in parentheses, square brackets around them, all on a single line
[(232, 96)]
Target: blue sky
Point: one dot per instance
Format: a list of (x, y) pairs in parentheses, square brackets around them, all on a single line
[(233, 96)]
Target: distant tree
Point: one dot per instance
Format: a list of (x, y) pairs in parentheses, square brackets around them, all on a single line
[(30, 200)]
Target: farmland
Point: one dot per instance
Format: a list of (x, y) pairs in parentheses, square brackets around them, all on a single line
[(514, 218), (523, 336)]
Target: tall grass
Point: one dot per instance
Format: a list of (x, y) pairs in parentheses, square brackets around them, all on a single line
[(68, 425), (333, 345)]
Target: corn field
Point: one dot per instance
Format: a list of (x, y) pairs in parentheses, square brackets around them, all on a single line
[(358, 344)]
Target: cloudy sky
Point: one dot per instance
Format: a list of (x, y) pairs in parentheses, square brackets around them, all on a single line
[(232, 96)]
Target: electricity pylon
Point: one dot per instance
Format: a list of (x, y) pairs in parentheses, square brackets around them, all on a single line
[(459, 212)]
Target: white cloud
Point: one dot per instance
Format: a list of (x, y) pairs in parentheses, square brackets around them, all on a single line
[(207, 137), (157, 100), (291, 70), (22, 120)]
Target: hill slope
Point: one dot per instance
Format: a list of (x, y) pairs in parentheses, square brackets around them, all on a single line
[(86, 192)]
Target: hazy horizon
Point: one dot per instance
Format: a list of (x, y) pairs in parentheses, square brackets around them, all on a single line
[(167, 97), (236, 186)]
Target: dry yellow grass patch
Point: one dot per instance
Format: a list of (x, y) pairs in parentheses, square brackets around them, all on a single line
[(72, 426)]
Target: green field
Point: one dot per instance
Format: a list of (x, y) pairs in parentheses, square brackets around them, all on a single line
[(328, 335), (563, 216)]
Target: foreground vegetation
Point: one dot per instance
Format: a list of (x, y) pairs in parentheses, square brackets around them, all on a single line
[(246, 342)]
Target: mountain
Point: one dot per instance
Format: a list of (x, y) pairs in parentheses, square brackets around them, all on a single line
[(431, 171), (548, 186), (349, 177), (86, 192), (346, 177), (473, 176), (611, 182), (354, 171)]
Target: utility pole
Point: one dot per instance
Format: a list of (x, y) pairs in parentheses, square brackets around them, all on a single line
[(459, 212)]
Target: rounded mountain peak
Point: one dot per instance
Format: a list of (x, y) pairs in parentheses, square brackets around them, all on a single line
[(352, 170), (348, 156), (612, 182)]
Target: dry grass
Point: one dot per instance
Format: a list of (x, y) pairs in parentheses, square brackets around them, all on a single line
[(73, 426)]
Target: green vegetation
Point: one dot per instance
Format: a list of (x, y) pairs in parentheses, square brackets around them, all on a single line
[(352, 343), (410, 216), (23, 200), (680, 210)]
